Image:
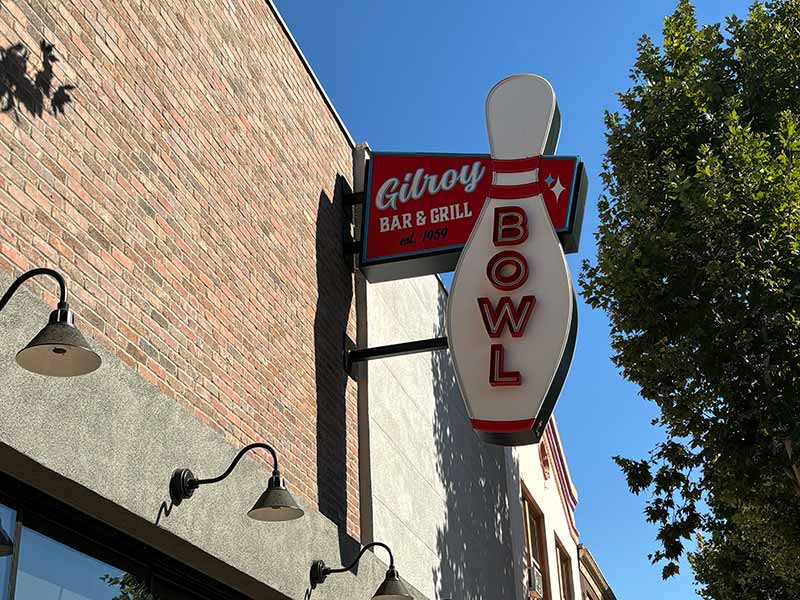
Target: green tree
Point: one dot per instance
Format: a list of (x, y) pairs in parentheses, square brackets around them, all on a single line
[(698, 269), (130, 587)]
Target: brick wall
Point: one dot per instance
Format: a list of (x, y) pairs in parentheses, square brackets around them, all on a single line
[(188, 195)]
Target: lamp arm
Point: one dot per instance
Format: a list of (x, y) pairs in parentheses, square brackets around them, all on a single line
[(242, 452), (360, 554), (62, 286)]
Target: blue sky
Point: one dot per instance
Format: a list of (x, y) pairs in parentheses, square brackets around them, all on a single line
[(413, 76)]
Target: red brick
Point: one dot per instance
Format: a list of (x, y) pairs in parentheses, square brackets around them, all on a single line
[(185, 206)]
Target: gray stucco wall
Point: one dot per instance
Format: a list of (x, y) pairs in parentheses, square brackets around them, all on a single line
[(439, 494), (106, 443)]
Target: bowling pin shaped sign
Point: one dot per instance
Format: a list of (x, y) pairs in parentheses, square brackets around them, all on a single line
[(511, 317)]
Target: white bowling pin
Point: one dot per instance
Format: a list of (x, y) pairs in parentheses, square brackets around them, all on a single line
[(504, 395)]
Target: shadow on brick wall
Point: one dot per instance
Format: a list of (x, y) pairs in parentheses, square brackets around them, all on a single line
[(19, 89), (474, 546), (334, 298)]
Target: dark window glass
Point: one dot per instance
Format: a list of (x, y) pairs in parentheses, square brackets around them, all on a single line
[(536, 554), (49, 570), (8, 521), (533, 530), (564, 572)]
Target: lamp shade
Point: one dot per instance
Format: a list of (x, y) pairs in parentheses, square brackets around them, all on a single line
[(6, 545), (392, 588), (276, 503), (59, 350)]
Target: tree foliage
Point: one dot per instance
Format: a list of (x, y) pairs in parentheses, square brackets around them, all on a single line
[(698, 268), (129, 587)]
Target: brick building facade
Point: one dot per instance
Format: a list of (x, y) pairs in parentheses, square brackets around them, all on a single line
[(188, 193)]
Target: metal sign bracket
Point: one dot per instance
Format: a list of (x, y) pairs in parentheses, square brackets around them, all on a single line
[(366, 354)]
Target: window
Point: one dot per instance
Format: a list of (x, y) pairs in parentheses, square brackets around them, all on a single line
[(49, 570), (60, 554), (535, 547), (8, 521), (52, 571), (564, 572)]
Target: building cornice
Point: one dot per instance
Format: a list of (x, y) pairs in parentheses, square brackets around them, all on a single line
[(566, 489), (593, 573)]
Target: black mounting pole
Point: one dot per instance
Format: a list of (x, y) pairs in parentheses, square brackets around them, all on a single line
[(366, 354), (351, 247), (353, 199)]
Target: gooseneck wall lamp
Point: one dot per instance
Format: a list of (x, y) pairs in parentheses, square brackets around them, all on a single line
[(6, 545), (391, 588), (275, 504), (58, 350)]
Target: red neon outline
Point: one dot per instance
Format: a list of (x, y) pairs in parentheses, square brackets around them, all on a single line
[(496, 370), (496, 318), (499, 212), (516, 165), (503, 426), (507, 284)]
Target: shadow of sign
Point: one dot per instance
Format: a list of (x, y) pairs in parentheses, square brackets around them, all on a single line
[(19, 89), (474, 548), (334, 300)]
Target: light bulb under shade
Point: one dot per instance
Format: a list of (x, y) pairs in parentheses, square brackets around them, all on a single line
[(6, 544), (276, 503), (392, 588), (58, 350)]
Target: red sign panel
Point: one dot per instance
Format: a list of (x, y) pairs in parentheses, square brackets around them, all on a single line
[(421, 208)]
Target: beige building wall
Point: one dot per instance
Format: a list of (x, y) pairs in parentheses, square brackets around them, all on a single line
[(543, 471), (439, 495)]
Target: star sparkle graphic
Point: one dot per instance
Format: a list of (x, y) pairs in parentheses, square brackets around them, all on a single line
[(557, 188)]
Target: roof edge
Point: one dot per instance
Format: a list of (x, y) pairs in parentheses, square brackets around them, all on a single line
[(311, 73), (590, 564)]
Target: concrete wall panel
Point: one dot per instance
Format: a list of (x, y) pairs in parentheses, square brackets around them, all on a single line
[(419, 429)]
